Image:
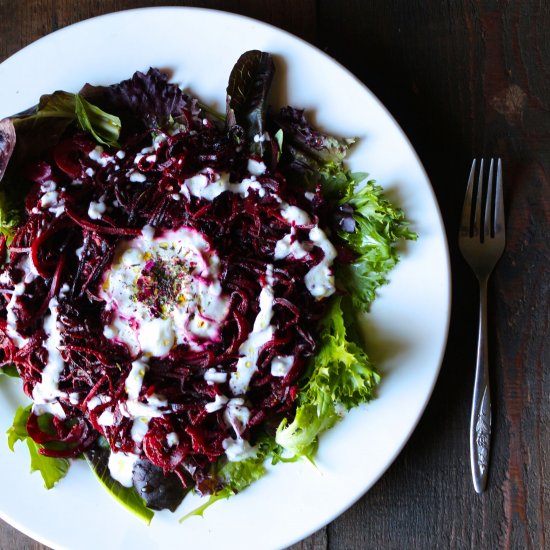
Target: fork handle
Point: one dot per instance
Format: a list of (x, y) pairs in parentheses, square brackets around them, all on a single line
[(480, 422)]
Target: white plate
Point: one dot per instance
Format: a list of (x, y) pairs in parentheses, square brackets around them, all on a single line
[(408, 324)]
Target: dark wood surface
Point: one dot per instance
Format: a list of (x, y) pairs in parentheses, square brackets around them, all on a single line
[(463, 79)]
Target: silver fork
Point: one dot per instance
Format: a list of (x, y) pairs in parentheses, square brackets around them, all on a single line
[(481, 240)]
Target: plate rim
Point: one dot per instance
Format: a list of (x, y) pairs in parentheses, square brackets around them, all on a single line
[(440, 222)]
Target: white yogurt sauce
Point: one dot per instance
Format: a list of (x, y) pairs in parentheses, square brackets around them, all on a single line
[(238, 449), (121, 467), (97, 400), (98, 155), (45, 394), (255, 167), (294, 215), (50, 199), (212, 376), (136, 176), (319, 280), (11, 320), (193, 307), (106, 418), (236, 415), (262, 332), (172, 439), (217, 404), (281, 365), (290, 246), (97, 209), (134, 380), (209, 184)]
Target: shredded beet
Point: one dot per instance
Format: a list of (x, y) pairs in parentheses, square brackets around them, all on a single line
[(59, 259)]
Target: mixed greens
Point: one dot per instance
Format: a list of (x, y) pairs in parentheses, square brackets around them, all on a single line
[(365, 226)]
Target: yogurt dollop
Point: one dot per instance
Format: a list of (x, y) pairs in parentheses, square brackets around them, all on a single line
[(163, 291)]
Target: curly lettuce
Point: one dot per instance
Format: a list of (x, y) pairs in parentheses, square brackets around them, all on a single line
[(234, 477), (378, 227), (340, 377)]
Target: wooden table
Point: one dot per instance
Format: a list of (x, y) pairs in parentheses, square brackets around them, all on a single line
[(464, 79)]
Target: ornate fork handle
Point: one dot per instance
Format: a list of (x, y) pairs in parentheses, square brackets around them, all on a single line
[(482, 239), (480, 423)]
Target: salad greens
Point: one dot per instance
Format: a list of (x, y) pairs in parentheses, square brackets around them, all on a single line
[(247, 91), (378, 227), (33, 125), (9, 370), (127, 496), (7, 144), (145, 101), (340, 376), (237, 476), (10, 217), (51, 469)]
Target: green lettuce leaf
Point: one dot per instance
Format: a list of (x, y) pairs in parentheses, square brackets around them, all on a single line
[(51, 469), (98, 460), (9, 370), (10, 217), (44, 124), (222, 494), (339, 377), (378, 228), (104, 127), (234, 477)]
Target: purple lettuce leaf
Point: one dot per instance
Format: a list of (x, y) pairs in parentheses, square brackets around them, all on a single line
[(303, 141), (147, 100), (7, 144), (247, 92)]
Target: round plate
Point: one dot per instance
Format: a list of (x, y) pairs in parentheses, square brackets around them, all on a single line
[(406, 330)]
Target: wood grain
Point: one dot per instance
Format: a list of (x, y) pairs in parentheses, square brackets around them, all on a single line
[(463, 79), (466, 79)]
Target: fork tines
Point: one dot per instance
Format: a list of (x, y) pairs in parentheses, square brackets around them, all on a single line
[(482, 217)]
